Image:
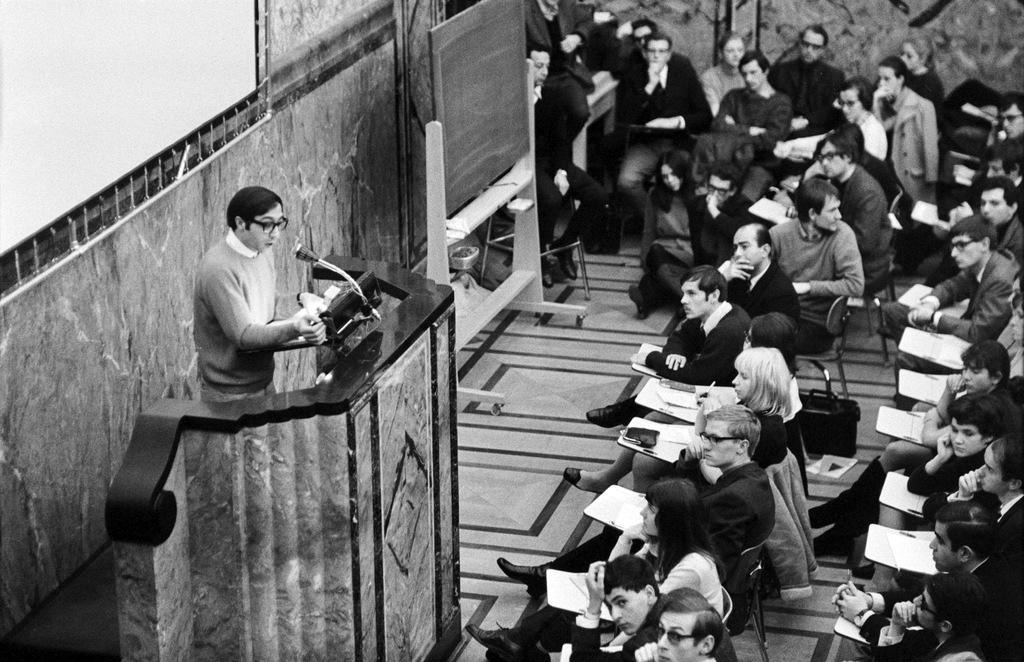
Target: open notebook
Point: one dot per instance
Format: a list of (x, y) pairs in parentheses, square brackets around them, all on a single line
[(919, 386), (617, 507), (896, 495), (642, 369), (906, 425), (904, 550), (672, 439), (568, 591), (940, 348)]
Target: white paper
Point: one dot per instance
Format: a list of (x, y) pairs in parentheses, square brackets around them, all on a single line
[(900, 424), (645, 348), (617, 507), (910, 553), (648, 397), (913, 296), (963, 175), (672, 439), (925, 212), (568, 591), (919, 386), (771, 211), (896, 495), (878, 549), (803, 148), (845, 628), (831, 466), (940, 348)]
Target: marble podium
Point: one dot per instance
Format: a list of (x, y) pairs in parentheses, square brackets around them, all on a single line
[(331, 535)]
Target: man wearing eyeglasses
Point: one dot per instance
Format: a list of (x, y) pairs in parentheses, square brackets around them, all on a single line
[(810, 84), (689, 630), (234, 304), (985, 278)]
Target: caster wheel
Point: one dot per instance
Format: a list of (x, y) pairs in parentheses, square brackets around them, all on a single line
[(496, 409), (579, 321)]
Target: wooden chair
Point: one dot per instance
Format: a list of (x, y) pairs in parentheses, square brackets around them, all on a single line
[(836, 323)]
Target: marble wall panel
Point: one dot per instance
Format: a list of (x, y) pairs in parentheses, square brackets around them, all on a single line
[(334, 532), (366, 548), (111, 330), (296, 22), (972, 39), (446, 487)]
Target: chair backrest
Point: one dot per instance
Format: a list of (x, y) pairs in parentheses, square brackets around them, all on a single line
[(741, 585), (838, 316)]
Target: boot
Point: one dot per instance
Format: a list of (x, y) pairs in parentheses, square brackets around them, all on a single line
[(864, 490)]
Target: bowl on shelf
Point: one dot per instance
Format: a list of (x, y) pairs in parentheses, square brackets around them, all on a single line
[(462, 258)]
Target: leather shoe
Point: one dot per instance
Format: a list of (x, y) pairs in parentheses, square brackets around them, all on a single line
[(496, 642), (533, 576), (637, 298), (568, 264), (611, 416), (572, 476)]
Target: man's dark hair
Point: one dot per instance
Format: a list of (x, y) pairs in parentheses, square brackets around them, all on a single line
[(816, 28), (959, 598), (630, 573), (982, 410), (989, 355), (843, 144), (1011, 99), (898, 66), (1009, 454), (644, 22), (853, 133), (1008, 152), (1010, 193), (659, 36), (811, 196), (976, 228), (688, 601), (761, 235), (754, 55), (862, 86), (727, 171), (969, 524), (249, 203), (708, 280)]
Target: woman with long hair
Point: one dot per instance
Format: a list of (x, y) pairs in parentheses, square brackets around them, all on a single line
[(916, 52)]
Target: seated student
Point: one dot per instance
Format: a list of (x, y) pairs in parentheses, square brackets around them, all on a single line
[(739, 508), (948, 612), (724, 76), (915, 136), (561, 28), (689, 630), (750, 123), (975, 421), (985, 278), (700, 351), (756, 283), (1002, 475), (762, 384), (1002, 159), (1011, 119), (855, 102), (718, 214), (862, 205), (879, 169), (964, 542), (666, 245), (819, 254), (811, 84)]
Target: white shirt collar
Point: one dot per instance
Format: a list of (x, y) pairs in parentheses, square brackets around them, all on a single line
[(663, 77), (754, 279), (714, 318), (1005, 508), (236, 245)]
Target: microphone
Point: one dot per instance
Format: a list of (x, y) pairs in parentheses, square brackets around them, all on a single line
[(306, 255)]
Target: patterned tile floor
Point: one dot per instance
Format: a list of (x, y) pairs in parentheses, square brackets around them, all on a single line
[(513, 500)]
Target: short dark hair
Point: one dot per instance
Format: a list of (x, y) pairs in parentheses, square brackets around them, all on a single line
[(1008, 152), (975, 227), (1011, 99), (982, 410), (708, 622), (644, 22), (853, 133), (989, 355), (754, 55), (898, 66), (727, 171), (740, 422), (816, 28), (969, 524), (708, 280), (811, 196), (761, 235), (1009, 454), (659, 36), (249, 203), (843, 144), (862, 86), (1010, 193), (776, 330), (959, 598), (630, 573)]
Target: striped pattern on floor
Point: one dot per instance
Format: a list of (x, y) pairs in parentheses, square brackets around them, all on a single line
[(513, 501)]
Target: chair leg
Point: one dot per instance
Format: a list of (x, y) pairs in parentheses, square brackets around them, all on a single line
[(842, 377), (757, 610), (487, 245), (583, 269), (885, 343)]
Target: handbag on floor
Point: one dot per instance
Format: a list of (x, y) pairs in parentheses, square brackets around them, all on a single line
[(828, 423)]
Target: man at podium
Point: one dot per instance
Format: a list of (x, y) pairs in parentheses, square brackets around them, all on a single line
[(235, 305)]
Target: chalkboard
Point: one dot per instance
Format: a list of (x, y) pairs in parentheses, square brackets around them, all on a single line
[(479, 74)]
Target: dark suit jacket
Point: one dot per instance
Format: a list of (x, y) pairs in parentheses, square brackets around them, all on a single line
[(740, 507), (1009, 535), (917, 645), (555, 127), (814, 99), (708, 359), (773, 293), (988, 311), (683, 96)]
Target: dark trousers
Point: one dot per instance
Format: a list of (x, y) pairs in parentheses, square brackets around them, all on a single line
[(593, 199), (812, 338), (663, 276)]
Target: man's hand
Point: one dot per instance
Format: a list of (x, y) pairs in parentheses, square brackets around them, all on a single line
[(647, 653), (903, 614), (802, 288), (782, 150), (624, 30), (595, 586), (309, 327), (757, 130), (654, 73), (944, 449), (922, 313), (798, 124), (729, 120), (955, 383), (712, 204), (738, 268), (960, 212), (562, 182), (850, 601), (571, 43), (969, 483), (663, 123), (675, 361)]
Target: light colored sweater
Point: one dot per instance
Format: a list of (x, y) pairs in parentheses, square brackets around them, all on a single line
[(233, 304), (830, 264), (716, 81)]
